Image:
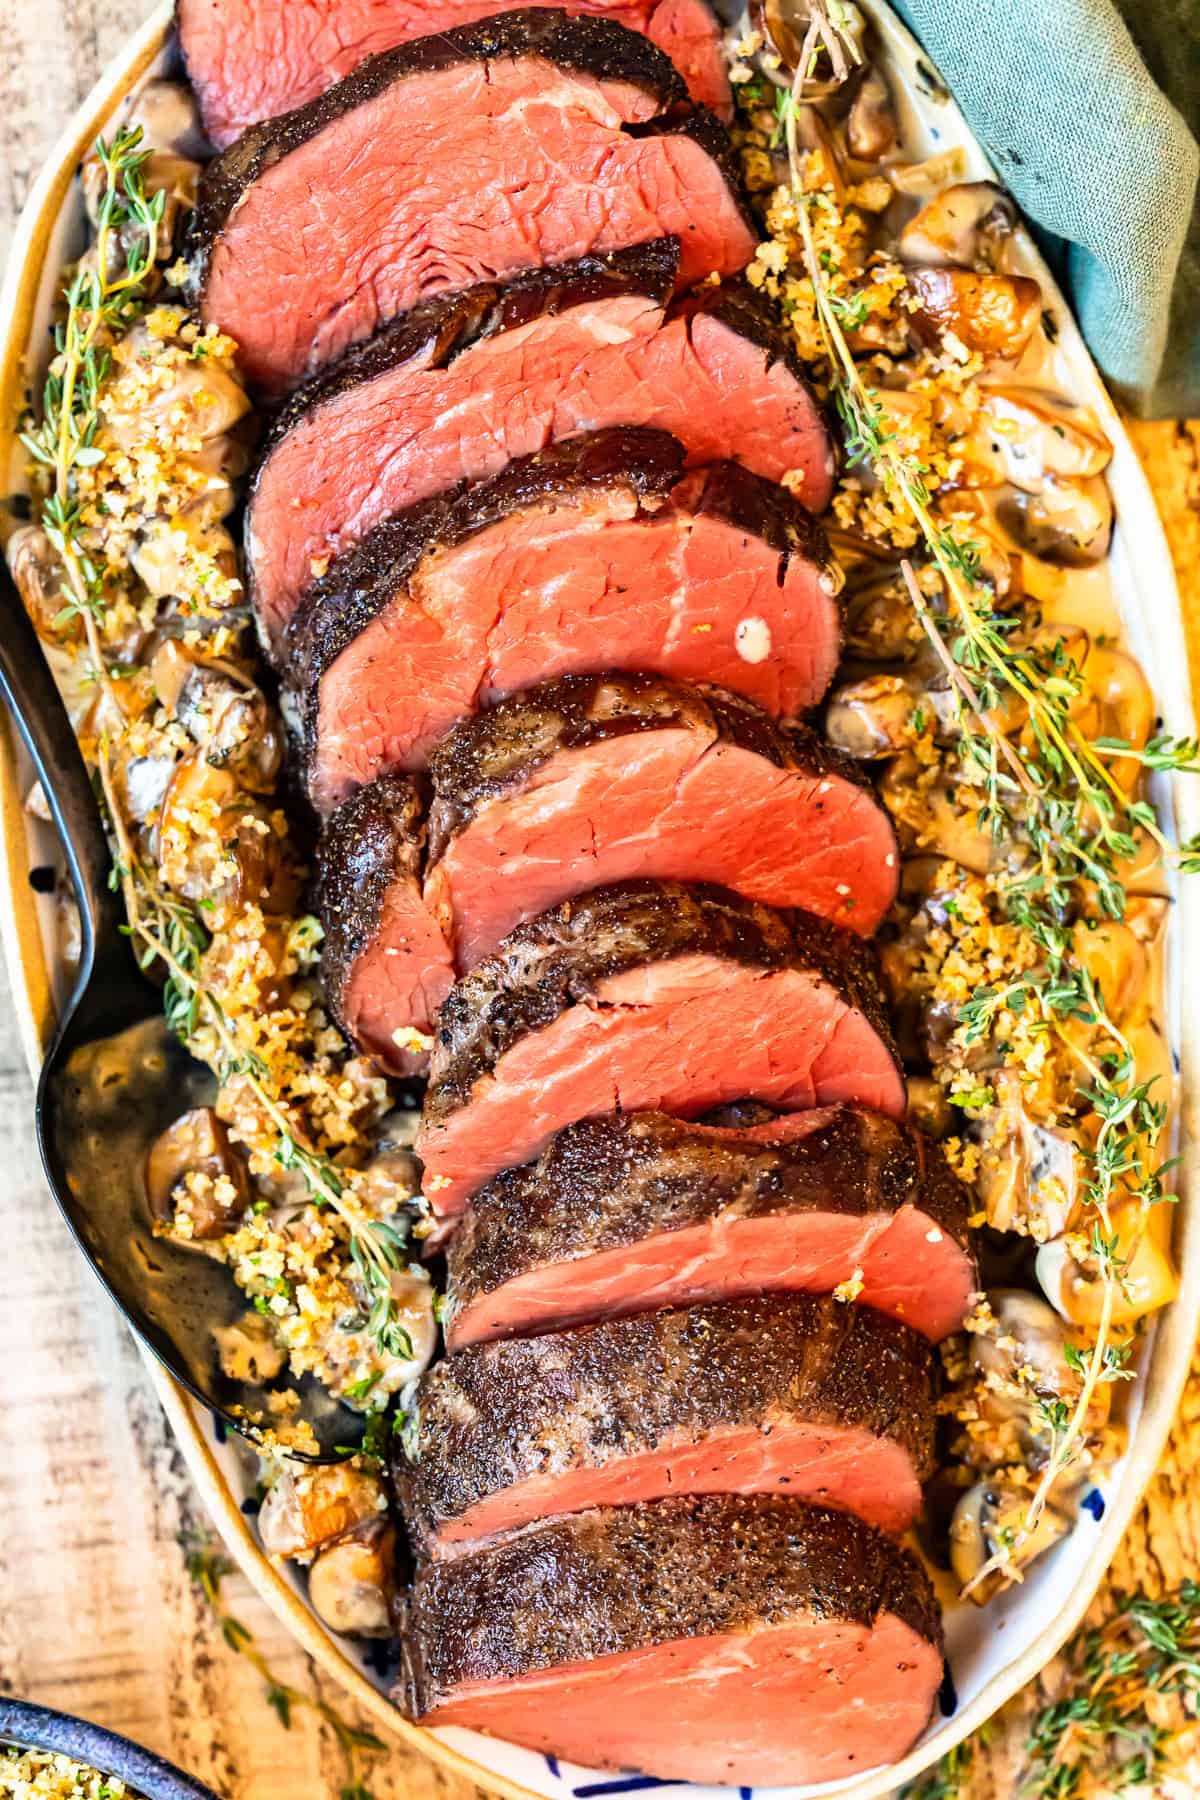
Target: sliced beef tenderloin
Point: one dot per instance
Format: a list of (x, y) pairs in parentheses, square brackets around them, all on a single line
[(251, 60), (796, 1394), (464, 384), (745, 1639), (385, 965), (597, 779), (575, 785), (648, 994), (513, 143), (597, 553), (625, 1213)]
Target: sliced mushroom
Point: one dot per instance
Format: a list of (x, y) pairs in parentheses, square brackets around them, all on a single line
[(1029, 1172), (873, 718), (1023, 1364), (880, 624), (989, 1522), (1068, 523), (941, 819), (307, 1508), (1116, 702), (994, 315), (210, 396), (215, 844), (226, 715), (248, 1351), (352, 1582), (963, 225), (193, 1172), (38, 573), (167, 114), (175, 556), (1070, 1278), (163, 172), (1027, 438), (871, 130)]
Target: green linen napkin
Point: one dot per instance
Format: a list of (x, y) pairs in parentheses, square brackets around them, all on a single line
[(1090, 110)]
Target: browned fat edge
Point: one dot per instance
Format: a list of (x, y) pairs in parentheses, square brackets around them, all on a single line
[(610, 1183), (359, 586), (495, 751), (618, 1579), (373, 839), (549, 963), (496, 1414), (596, 47)]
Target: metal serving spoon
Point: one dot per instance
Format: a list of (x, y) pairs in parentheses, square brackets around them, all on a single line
[(115, 1077)]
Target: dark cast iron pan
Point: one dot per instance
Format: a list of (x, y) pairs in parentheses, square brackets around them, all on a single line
[(114, 1077)]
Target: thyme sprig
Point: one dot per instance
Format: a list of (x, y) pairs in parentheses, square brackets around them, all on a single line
[(1049, 794), (1125, 1716), (104, 297), (207, 1569)]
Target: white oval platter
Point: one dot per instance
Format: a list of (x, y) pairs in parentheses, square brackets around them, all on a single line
[(990, 1654)]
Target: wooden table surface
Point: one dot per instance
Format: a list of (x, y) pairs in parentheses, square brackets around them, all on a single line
[(97, 1612)]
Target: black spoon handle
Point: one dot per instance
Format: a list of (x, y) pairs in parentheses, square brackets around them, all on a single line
[(37, 709)]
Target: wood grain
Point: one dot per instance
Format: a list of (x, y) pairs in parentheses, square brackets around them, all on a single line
[(97, 1614)]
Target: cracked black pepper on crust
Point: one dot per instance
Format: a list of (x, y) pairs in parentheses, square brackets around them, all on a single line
[(497, 1414), (611, 1183), (561, 957), (618, 1579)]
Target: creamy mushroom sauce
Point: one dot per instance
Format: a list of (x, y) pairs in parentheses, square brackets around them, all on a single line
[(197, 751)]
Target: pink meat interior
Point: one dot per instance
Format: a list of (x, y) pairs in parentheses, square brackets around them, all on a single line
[(254, 59), (457, 175), (565, 590), (417, 431), (828, 1465), (910, 1267), (798, 1702), (683, 1035), (673, 805)]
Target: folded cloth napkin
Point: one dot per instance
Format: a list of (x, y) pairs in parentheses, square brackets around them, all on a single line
[(1091, 111)]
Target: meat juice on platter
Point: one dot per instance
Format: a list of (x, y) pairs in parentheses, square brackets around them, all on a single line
[(671, 836)]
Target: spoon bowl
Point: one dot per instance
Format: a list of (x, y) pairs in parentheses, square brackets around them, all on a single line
[(113, 1079)]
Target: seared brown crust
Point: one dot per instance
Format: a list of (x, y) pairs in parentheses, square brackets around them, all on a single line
[(496, 1414), (495, 751), (373, 839), (624, 1578), (647, 463), (605, 1184), (561, 957), (597, 47)]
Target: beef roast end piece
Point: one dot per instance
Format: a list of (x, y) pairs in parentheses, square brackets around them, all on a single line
[(750, 1640)]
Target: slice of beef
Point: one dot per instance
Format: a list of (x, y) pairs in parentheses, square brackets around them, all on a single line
[(797, 1394), (596, 553), (464, 384), (648, 994), (251, 60), (744, 1639), (634, 1211), (578, 784), (385, 965), (597, 779), (513, 143)]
